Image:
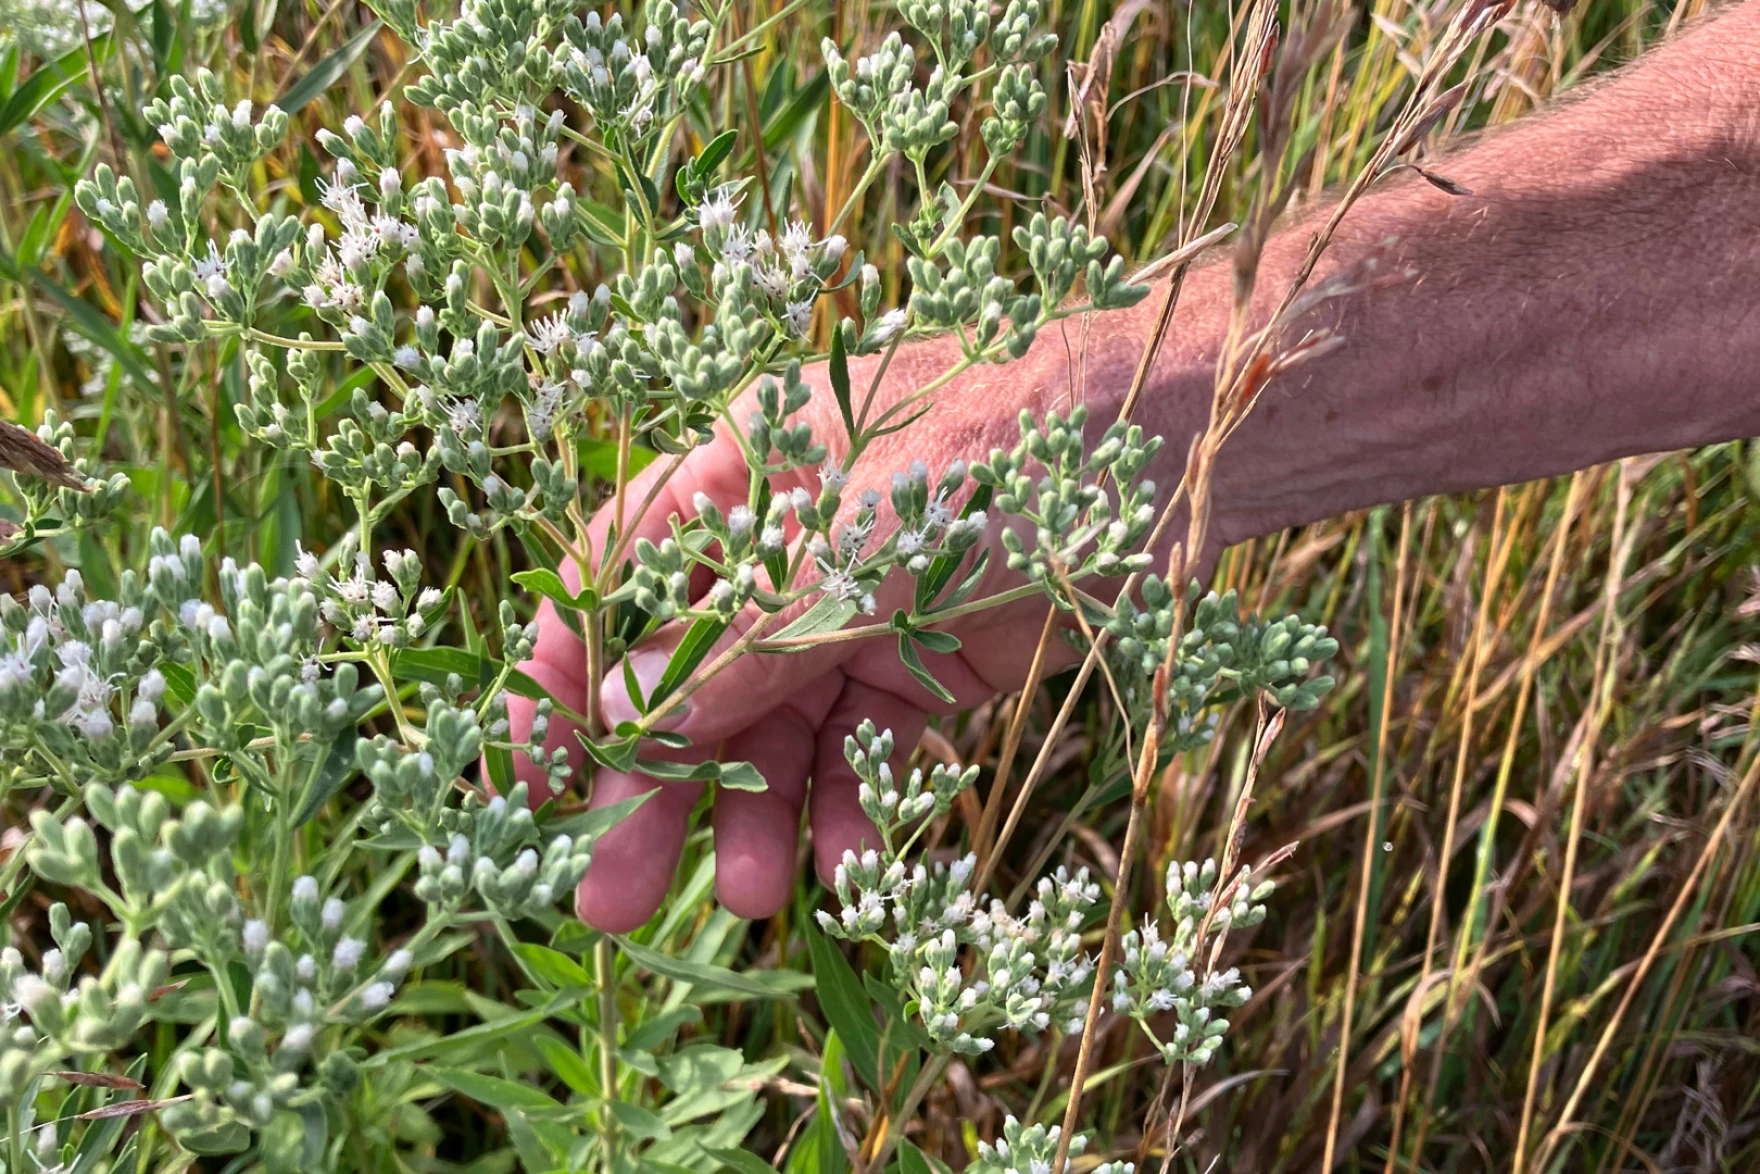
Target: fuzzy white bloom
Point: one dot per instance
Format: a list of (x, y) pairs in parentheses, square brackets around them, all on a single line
[(890, 324), (298, 1037), (331, 916), (718, 211), (256, 937), (546, 334), (377, 996), (347, 954)]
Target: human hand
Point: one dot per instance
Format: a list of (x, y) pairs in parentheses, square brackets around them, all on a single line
[(787, 714)]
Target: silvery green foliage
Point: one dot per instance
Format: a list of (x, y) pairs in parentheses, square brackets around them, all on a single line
[(969, 966), (1221, 654), (1168, 984), (55, 1016), (1031, 1149), (1051, 480), (490, 319), (96, 694)]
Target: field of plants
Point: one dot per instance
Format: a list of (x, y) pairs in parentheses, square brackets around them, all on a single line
[(337, 337)]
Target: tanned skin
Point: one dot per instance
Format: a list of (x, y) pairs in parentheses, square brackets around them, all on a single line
[(1596, 295)]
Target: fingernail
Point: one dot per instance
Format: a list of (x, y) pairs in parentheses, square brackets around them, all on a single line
[(647, 668)]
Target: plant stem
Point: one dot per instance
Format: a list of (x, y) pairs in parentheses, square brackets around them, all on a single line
[(605, 963), (895, 1123)]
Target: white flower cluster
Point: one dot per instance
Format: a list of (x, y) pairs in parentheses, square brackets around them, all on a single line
[(393, 611), (1220, 652), (70, 1013), (1051, 479), (970, 968), (529, 884), (1157, 979), (1031, 1149)]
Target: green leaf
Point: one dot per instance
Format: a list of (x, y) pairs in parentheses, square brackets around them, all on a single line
[(804, 102), (912, 1160), (492, 1091), (553, 966), (907, 652), (827, 615), (931, 582), (739, 1161), (696, 973), (741, 776), (49, 82), (845, 1005), (698, 640), (661, 1028), (597, 822), (736, 776), (434, 665), (550, 585), (180, 682), (326, 73), (567, 1063), (619, 756), (942, 642), (339, 764), (839, 367), (599, 457), (714, 151), (640, 1123), (700, 1068)]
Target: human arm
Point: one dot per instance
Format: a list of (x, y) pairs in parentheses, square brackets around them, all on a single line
[(1589, 299)]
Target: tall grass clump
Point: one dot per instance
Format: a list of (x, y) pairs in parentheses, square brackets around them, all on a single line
[(344, 336)]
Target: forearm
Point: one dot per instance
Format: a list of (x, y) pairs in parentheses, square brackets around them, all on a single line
[(1593, 298)]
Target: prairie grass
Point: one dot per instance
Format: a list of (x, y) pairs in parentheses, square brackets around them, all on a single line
[(1548, 690)]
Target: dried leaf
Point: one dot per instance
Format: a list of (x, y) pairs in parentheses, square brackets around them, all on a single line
[(133, 1108), (1439, 106), (98, 1080), (22, 452)]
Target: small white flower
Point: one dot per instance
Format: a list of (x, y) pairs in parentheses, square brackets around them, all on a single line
[(798, 317), (347, 954), (547, 334), (890, 324), (256, 937), (210, 266), (718, 211)]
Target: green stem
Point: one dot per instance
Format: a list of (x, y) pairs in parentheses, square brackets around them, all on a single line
[(605, 963), (297, 344), (794, 643)]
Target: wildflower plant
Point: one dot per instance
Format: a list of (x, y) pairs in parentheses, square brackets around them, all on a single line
[(575, 272)]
